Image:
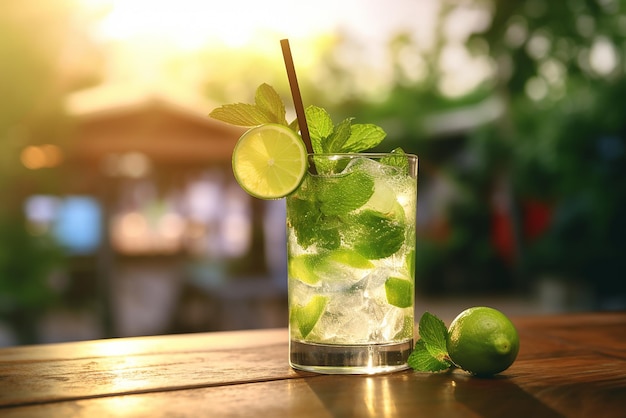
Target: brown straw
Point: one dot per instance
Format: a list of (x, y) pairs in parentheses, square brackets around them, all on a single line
[(295, 93)]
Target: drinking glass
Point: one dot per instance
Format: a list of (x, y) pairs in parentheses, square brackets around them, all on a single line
[(351, 263)]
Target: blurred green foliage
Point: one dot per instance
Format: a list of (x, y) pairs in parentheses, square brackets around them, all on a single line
[(26, 266), (562, 70), (556, 156)]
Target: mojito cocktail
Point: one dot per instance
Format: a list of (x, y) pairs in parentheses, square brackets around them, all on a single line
[(351, 251), (351, 232)]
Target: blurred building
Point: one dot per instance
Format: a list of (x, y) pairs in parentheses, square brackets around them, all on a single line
[(159, 236)]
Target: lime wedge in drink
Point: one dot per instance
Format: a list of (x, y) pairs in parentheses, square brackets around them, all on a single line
[(269, 161), (399, 292), (303, 268), (350, 258), (305, 317), (311, 268), (408, 329)]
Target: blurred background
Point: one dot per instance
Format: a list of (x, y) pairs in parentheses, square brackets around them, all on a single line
[(119, 215)]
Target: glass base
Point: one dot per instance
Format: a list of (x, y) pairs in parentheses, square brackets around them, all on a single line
[(349, 359)]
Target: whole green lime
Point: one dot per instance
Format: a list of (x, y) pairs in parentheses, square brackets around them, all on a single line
[(482, 341)]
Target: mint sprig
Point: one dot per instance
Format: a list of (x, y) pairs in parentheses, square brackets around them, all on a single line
[(326, 137), (430, 353)]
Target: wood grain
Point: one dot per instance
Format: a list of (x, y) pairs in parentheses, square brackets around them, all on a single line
[(569, 365), (134, 365)]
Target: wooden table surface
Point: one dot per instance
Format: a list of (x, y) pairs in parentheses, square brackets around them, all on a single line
[(569, 365)]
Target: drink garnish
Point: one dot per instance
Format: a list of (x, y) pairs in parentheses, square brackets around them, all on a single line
[(327, 137), (269, 161), (480, 340), (430, 353), (264, 117)]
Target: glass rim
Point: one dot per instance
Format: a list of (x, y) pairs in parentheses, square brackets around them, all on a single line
[(360, 154)]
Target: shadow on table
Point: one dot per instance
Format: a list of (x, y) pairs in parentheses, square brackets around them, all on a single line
[(433, 395), (497, 397)]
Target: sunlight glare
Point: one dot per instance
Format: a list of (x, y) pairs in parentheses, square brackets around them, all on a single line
[(151, 40), (191, 24)]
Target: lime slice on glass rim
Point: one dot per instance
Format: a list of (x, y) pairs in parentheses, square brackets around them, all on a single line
[(269, 161)]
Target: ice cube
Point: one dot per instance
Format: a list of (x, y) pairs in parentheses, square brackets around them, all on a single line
[(383, 199), (392, 323)]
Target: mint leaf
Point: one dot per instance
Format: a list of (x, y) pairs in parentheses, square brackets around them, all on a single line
[(268, 108), (374, 235), (430, 353), (240, 114), (269, 102), (397, 159), (421, 360), (364, 137), (310, 225), (342, 194), (320, 127), (335, 142), (434, 332)]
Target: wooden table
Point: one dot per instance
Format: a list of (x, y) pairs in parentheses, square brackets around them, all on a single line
[(568, 365)]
